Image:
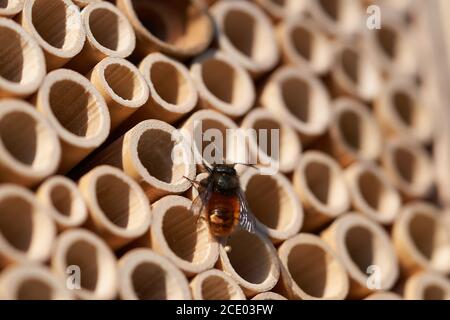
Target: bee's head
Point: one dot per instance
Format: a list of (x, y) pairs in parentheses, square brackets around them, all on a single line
[(224, 169)]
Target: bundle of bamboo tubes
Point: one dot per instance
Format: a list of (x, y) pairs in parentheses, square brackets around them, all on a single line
[(92, 94)]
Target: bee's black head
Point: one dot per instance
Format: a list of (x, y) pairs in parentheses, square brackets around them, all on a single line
[(224, 169), (225, 179)]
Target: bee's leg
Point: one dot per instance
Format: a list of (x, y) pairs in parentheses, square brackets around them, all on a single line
[(224, 242), (194, 183)]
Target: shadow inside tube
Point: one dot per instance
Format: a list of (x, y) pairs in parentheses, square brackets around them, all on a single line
[(85, 256), (359, 243), (104, 25), (11, 56), (149, 282), (16, 223), (34, 289), (318, 179), (240, 29), (50, 18)]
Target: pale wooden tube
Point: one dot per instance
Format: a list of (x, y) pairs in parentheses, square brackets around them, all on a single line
[(298, 99), (383, 296), (84, 3), (22, 62), (177, 234), (222, 84), (31, 282), (421, 239), (56, 25), (64, 202), (304, 45), (289, 144), (362, 244), (145, 275), (108, 34), (354, 133), (268, 296), (27, 231), (400, 111), (254, 266), (157, 172), (427, 286), (215, 285), (274, 203), (245, 33), (10, 8), (285, 9), (95, 260), (310, 270), (371, 192), (119, 210), (76, 111), (320, 184), (29, 148), (409, 167), (177, 28), (122, 86)]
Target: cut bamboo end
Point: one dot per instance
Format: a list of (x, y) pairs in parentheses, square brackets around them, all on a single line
[(268, 296), (285, 139), (355, 73), (320, 184), (245, 33), (421, 239), (29, 148), (354, 132), (177, 234), (299, 99), (364, 248), (177, 28), (145, 275), (122, 86), (409, 168), (82, 127), (22, 62), (283, 9), (223, 84), (274, 203), (215, 285), (64, 202), (371, 192), (57, 27), (159, 173), (84, 3), (304, 45), (27, 231), (400, 111), (254, 266), (80, 254), (31, 282), (427, 286), (10, 8), (119, 210), (384, 296), (310, 270)]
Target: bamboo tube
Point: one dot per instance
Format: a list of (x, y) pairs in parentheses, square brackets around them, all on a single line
[(27, 231), (427, 286), (31, 282), (400, 111), (84, 3), (355, 73), (254, 266), (93, 262), (177, 234), (22, 62), (215, 285), (145, 275), (320, 184), (354, 133), (119, 210), (304, 45), (29, 148), (409, 168), (371, 192), (64, 202), (274, 203), (177, 28), (172, 90), (56, 26), (288, 144), (268, 296), (298, 99), (158, 173), (122, 86), (222, 84), (76, 111), (421, 239), (361, 245), (245, 33), (283, 9), (383, 296), (10, 8), (310, 270), (108, 34)]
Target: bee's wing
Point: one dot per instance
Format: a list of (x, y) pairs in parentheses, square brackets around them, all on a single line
[(247, 220), (204, 194)]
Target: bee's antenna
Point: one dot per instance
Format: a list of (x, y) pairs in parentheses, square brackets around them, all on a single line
[(206, 167)]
